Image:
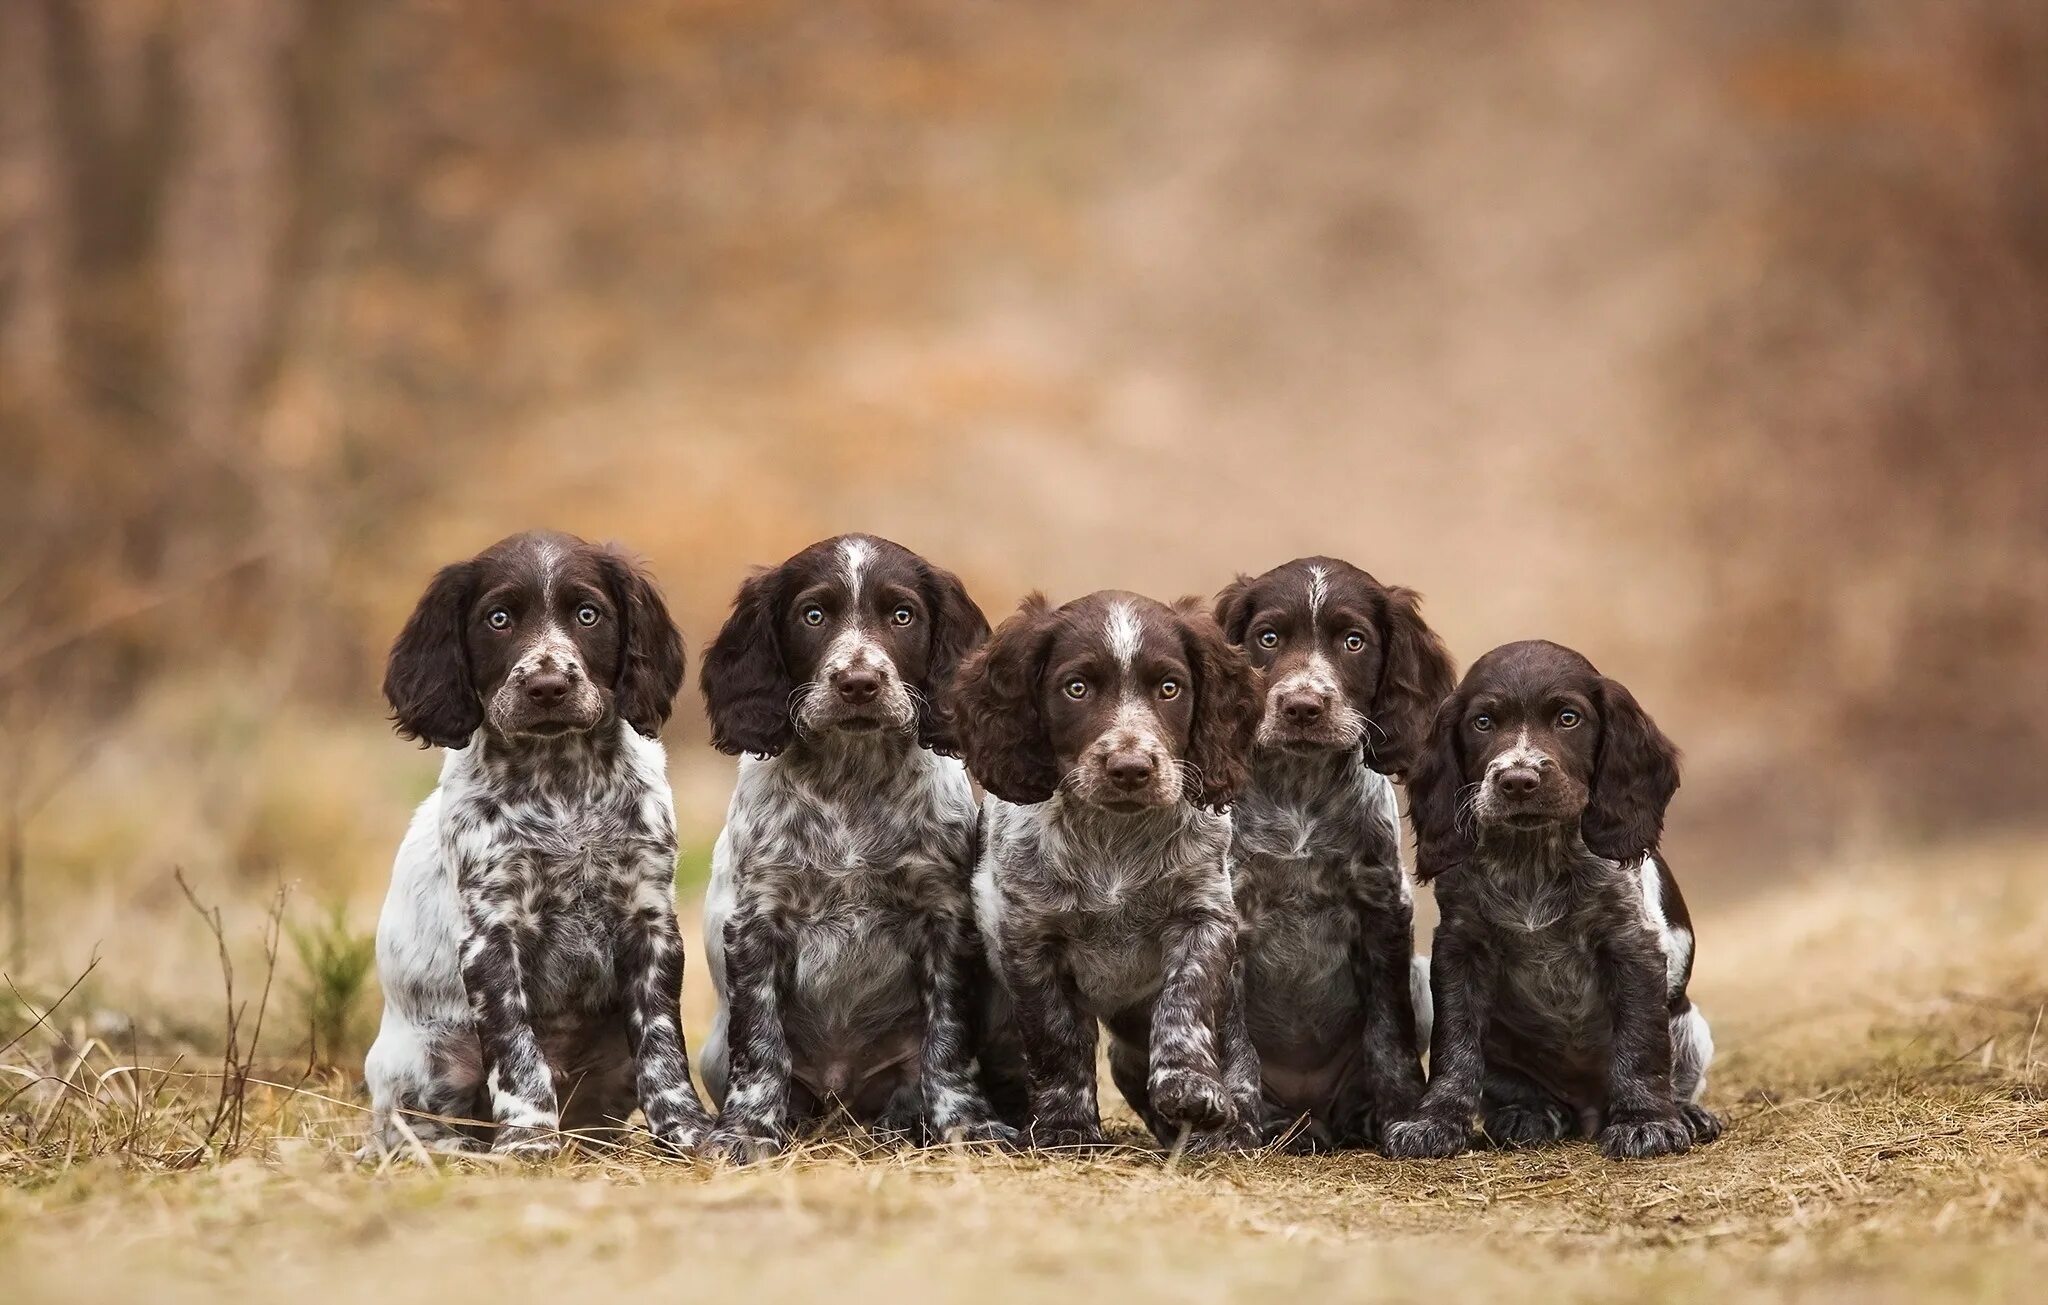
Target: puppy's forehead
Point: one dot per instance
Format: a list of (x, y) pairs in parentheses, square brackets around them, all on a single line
[(1312, 586), (1528, 669), (1123, 628), (856, 565), (534, 556)]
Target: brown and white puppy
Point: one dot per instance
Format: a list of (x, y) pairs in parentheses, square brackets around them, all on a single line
[(1562, 959), (838, 921), (1109, 733), (1334, 994), (528, 949)]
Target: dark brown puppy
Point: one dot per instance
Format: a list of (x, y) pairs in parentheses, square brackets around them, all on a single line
[(1334, 995), (1107, 733), (1561, 962)]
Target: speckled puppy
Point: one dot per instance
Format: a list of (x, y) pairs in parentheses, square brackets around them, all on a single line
[(1334, 993), (838, 921), (1564, 950), (528, 949), (1108, 733)]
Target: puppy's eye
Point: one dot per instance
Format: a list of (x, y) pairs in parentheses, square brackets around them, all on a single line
[(1169, 690), (903, 616), (1567, 718), (586, 615), (814, 616), (1077, 688), (1268, 639), (1482, 723), (499, 619), (1354, 641)]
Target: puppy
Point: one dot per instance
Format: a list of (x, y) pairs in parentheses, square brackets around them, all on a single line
[(1109, 733), (528, 950), (1562, 958), (838, 921), (1333, 990)]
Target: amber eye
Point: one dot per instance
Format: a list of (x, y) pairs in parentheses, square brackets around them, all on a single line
[(1077, 689), (903, 616), (1169, 690), (1354, 641), (499, 619), (1482, 723), (1268, 639), (1567, 718), (586, 615), (814, 616)]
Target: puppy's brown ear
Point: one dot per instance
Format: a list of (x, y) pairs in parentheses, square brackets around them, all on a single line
[(1227, 703), (994, 708), (650, 646), (745, 681), (1436, 796), (1415, 678), (1635, 774), (1234, 609), (957, 629), (427, 679)]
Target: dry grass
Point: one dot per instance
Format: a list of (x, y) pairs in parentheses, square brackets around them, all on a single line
[(1882, 1067)]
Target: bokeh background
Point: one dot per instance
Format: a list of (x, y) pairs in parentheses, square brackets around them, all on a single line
[(1710, 337)]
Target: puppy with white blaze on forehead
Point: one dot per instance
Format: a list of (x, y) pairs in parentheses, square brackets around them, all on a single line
[(838, 923), (528, 950), (1337, 1002), (1109, 734), (1563, 954)]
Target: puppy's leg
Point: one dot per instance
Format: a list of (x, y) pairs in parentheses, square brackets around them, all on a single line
[(754, 1120), (419, 1090), (521, 1087), (1186, 1082), (1240, 1080), (1390, 1070), (954, 1107), (1641, 1119), (1692, 1049), (1514, 1111), (651, 970), (1058, 1037), (1461, 980)]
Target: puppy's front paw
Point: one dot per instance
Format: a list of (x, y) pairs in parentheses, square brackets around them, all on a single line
[(1194, 1100), (682, 1139), (984, 1132), (1702, 1123), (1427, 1137), (528, 1144), (1640, 1136), (1519, 1125), (1067, 1137), (738, 1147), (1222, 1141)]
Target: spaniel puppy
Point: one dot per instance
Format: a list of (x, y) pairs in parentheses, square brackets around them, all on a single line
[(838, 919), (1109, 732), (1333, 989), (528, 949), (1561, 962)]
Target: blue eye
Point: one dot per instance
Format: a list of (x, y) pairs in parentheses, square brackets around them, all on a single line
[(586, 615), (814, 616)]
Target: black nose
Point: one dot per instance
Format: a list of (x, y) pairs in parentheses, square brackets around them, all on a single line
[(1129, 770), (547, 689), (1517, 781), (1301, 709), (856, 688)]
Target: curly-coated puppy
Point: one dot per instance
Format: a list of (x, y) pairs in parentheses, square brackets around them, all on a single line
[(838, 920), (1108, 733), (1564, 951), (1334, 993), (528, 949)]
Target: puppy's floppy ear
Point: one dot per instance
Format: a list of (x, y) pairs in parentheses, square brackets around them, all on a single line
[(994, 708), (427, 679), (1234, 609), (957, 629), (1634, 775), (650, 646), (1415, 678), (1436, 787), (1227, 704), (745, 681)]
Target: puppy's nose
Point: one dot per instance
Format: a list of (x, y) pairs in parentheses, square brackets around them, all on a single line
[(1517, 781), (1301, 709), (547, 688), (856, 688), (1129, 770)]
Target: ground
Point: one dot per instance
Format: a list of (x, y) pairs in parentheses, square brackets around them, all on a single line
[(1881, 1069)]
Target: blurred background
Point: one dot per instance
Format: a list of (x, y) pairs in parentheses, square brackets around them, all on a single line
[(1710, 337)]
